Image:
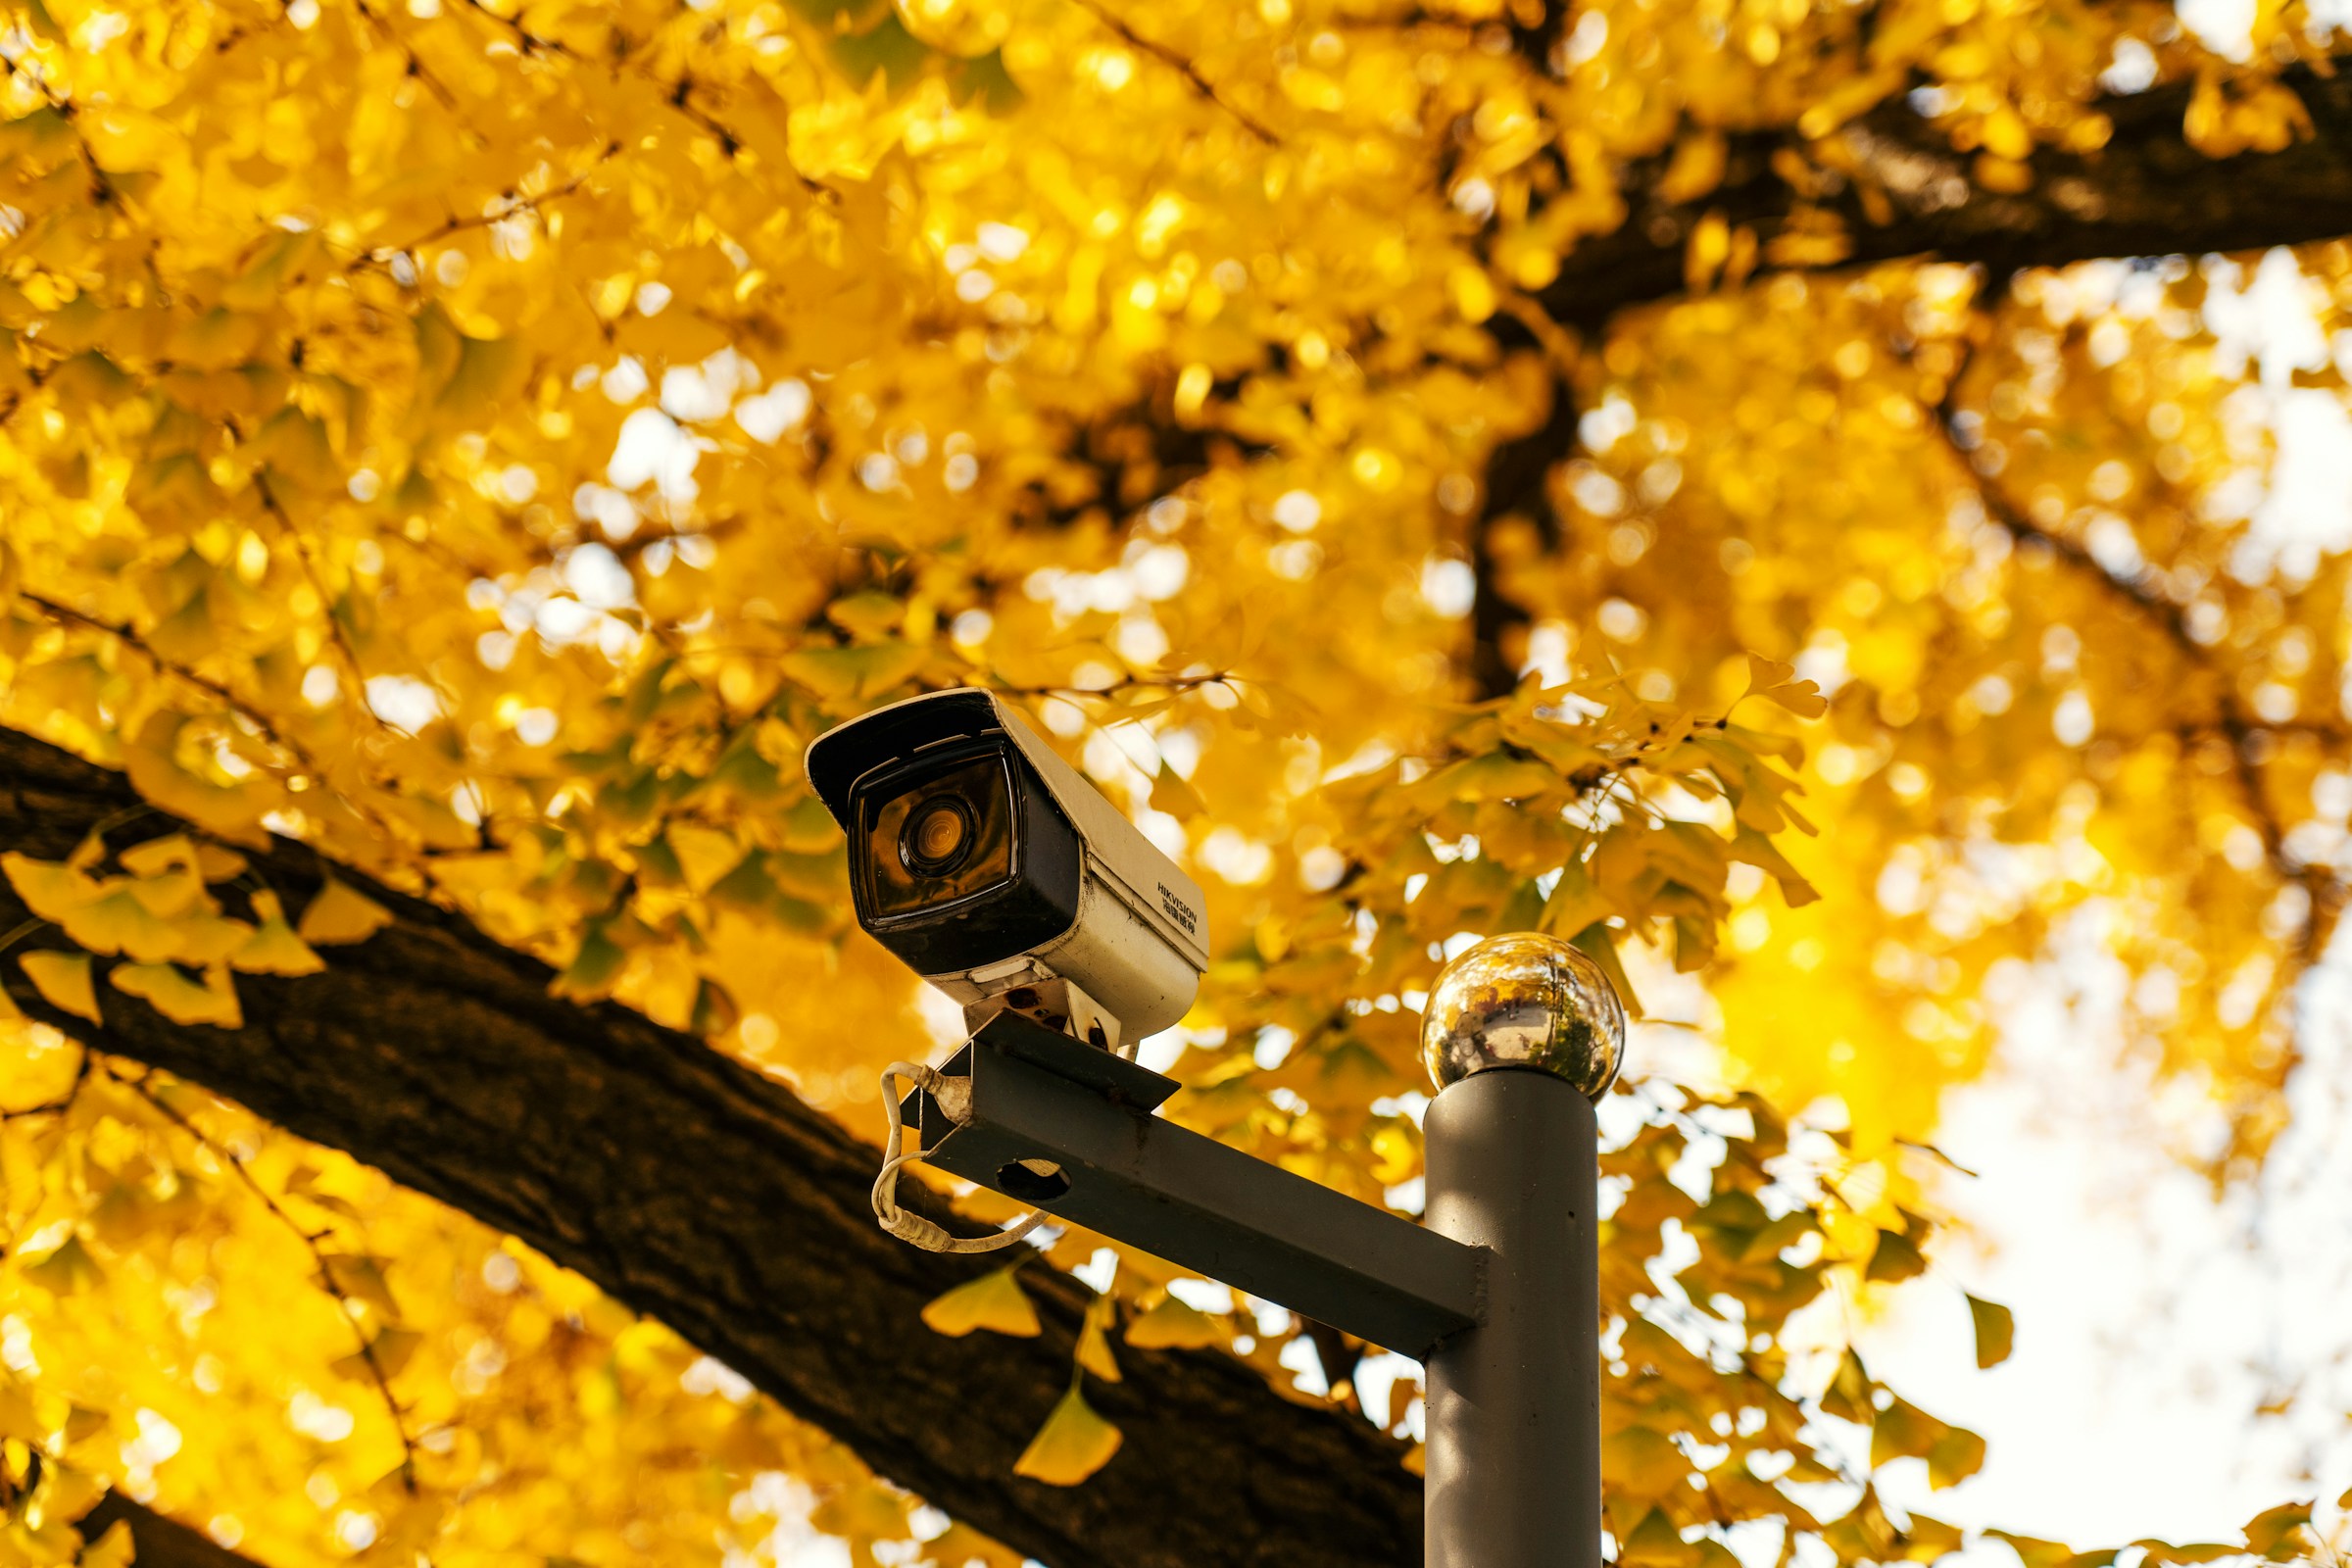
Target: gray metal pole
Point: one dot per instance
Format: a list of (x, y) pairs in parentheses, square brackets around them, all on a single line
[(1514, 1407)]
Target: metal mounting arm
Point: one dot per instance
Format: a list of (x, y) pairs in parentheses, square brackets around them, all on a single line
[(1040, 1096)]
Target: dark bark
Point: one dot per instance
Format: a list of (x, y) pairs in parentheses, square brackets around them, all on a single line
[(2146, 193), (700, 1192), (1518, 473), (157, 1541), (696, 1191)]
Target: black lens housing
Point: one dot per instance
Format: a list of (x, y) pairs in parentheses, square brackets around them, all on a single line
[(1012, 884)]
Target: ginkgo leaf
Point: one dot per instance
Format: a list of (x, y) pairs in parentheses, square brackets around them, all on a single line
[(341, 913), (1642, 1462), (2034, 1551), (2164, 1553), (389, 1351), (1996, 1330), (1895, 1259), (1956, 1456), (168, 990), (65, 1268), (18, 1417), (595, 966), (1172, 1325), (170, 892), (1773, 681), (2278, 1534), (274, 948), (1172, 794), (63, 981), (359, 1277), (178, 851), (414, 1520), (1654, 1543), (49, 889), (848, 673), (119, 922), (994, 1302), (1093, 1347), (1903, 1431), (1072, 1444)]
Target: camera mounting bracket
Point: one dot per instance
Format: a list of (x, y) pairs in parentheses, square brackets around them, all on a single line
[(1039, 1097)]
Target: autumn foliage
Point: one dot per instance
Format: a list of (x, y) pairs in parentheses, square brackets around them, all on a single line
[(1678, 476)]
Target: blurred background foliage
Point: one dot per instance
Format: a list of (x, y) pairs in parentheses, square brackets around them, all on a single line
[(488, 443)]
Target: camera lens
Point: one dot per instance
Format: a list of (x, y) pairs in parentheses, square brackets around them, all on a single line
[(937, 837)]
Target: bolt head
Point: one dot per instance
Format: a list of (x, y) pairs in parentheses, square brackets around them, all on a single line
[(1524, 1001)]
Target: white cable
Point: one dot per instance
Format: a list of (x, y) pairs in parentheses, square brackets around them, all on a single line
[(955, 1098)]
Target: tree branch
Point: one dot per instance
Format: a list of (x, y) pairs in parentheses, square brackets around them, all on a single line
[(2139, 592), (1893, 185), (157, 1541), (692, 1189)]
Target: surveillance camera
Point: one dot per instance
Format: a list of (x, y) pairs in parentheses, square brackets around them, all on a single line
[(992, 868)]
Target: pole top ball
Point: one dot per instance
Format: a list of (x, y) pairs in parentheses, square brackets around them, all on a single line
[(1524, 1000)]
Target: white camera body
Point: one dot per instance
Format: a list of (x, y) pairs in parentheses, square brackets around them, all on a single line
[(993, 868)]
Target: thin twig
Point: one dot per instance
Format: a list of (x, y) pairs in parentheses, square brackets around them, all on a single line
[(675, 93), (326, 608), (2325, 889), (512, 204), (307, 766), (417, 67), (1185, 68), (219, 693), (310, 1240)]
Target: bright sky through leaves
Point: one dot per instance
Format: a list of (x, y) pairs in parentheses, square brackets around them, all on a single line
[(1706, 481)]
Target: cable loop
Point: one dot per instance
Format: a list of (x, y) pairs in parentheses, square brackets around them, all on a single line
[(955, 1098)]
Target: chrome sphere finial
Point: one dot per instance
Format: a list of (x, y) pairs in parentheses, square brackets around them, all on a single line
[(1524, 1001)]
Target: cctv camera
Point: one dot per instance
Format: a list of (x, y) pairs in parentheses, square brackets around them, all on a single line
[(989, 865)]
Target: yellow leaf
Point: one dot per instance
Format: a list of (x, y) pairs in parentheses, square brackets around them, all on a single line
[(18, 1418), (64, 1269), (274, 948), (49, 889), (1643, 1462), (1575, 902), (1957, 1454), (1170, 793), (1072, 1444), (994, 1302), (360, 1278), (1997, 1327), (1093, 1347), (2279, 1534), (1171, 1325), (389, 1351), (1895, 1259), (118, 921), (846, 674), (168, 989), (63, 981), (1771, 680), (175, 851), (341, 915)]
